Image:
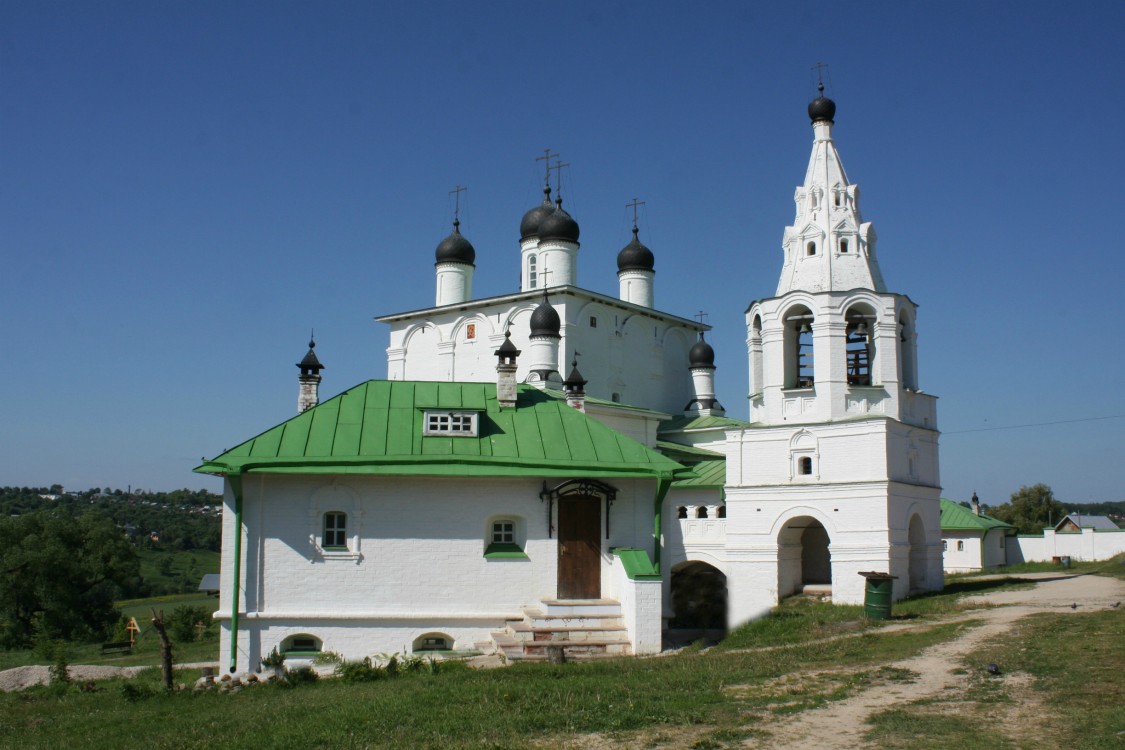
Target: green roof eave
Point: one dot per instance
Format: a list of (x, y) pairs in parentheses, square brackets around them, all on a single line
[(465, 466)]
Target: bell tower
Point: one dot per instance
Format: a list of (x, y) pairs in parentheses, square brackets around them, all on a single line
[(838, 471)]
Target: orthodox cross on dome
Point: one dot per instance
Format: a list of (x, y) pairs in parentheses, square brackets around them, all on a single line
[(546, 157), (701, 315), (820, 69), (634, 206), (558, 168), (456, 193), (543, 275)]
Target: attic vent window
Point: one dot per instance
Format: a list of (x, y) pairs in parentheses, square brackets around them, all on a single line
[(455, 423)]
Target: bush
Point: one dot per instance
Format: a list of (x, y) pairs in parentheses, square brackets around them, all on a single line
[(182, 623), (301, 676), (359, 671), (273, 659)]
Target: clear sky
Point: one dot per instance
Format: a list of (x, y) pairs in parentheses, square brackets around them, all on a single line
[(186, 188)]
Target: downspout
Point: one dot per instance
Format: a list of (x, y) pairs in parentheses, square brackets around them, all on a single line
[(236, 488), (663, 484)]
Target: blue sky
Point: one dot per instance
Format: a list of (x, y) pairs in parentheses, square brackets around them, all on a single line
[(187, 188)]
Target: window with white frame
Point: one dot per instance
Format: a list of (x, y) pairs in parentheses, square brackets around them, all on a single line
[(335, 530), (505, 538), (960, 546), (457, 423), (503, 532), (532, 275)]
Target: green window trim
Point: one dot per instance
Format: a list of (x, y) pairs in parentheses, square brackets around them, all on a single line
[(301, 652), (334, 548), (504, 551)]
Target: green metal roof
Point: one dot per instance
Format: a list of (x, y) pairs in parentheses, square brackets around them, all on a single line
[(687, 451), (709, 475), (376, 428), (681, 423), (956, 517)]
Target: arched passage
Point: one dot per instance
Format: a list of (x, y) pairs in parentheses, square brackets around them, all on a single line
[(699, 597), (803, 556), (917, 564)]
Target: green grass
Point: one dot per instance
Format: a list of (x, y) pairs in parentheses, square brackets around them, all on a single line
[(167, 570), (147, 649), (1074, 699), (459, 708)]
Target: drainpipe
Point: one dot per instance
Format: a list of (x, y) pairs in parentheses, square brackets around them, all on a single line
[(663, 484), (236, 488)]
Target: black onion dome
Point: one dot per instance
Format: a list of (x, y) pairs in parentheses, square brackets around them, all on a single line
[(529, 226), (455, 248), (558, 225), (545, 321), (822, 108), (635, 256), (701, 355)]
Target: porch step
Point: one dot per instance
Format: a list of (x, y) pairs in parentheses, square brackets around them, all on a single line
[(582, 628)]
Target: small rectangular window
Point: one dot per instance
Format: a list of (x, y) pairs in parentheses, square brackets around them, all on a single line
[(960, 546), (458, 424), (335, 530), (503, 532), (593, 322)]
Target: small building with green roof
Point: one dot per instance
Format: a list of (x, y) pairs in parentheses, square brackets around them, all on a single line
[(427, 515), (972, 541)]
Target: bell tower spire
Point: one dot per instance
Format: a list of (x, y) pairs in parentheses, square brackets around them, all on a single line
[(829, 248)]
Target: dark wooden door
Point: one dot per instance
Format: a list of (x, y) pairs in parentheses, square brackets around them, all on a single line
[(580, 558)]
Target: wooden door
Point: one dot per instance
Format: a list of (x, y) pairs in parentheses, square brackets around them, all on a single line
[(580, 558)]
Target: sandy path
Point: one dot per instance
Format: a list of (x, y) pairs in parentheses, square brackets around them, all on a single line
[(843, 724)]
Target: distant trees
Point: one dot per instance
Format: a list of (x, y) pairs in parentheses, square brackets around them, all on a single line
[(1031, 509), (60, 575)]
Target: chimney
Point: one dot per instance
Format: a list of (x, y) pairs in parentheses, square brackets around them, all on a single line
[(506, 372), (575, 387), (308, 390), (976, 505)]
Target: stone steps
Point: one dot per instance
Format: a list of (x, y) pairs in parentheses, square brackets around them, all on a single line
[(582, 628)]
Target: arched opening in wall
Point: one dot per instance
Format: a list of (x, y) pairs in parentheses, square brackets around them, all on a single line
[(859, 348), (810, 248), (701, 511), (699, 602), (843, 245), (681, 512), (721, 512), (799, 370), (301, 644), (907, 353), (804, 563), (433, 642), (532, 271), (919, 578)]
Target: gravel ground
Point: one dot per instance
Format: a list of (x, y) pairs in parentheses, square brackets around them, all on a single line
[(19, 678)]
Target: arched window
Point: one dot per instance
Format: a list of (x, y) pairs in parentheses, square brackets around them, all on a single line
[(721, 512), (433, 642), (799, 370), (756, 369), (858, 352), (843, 245), (701, 511), (810, 249), (301, 644), (532, 276), (681, 512), (335, 530), (804, 465)]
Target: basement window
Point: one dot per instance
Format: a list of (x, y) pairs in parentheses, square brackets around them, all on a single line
[(450, 423), (505, 539)]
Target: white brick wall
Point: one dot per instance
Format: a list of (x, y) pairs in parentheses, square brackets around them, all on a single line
[(415, 562)]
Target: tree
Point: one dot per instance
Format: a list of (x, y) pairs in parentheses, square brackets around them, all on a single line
[(1031, 509), (59, 576)]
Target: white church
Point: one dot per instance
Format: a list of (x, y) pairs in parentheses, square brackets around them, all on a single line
[(501, 492)]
